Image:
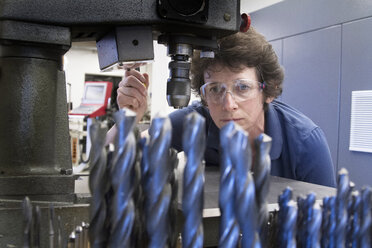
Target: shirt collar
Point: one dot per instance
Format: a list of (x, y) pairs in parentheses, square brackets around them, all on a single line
[(274, 130)]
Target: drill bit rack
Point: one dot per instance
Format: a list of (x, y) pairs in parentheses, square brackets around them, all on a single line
[(153, 213)]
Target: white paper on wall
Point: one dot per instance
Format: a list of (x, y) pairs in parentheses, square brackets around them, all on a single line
[(361, 121)]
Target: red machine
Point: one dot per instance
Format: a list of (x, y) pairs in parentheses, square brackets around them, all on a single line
[(95, 99)]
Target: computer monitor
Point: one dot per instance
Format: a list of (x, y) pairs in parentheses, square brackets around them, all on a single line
[(95, 99), (94, 93)]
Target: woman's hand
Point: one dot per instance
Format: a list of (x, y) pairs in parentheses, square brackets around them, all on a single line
[(132, 92)]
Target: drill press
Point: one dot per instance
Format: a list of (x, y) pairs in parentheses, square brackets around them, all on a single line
[(35, 157)]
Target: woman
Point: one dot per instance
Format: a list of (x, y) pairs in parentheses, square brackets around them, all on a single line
[(241, 84)]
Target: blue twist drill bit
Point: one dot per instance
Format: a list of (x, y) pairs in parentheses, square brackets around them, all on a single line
[(332, 223), (365, 214), (355, 220), (173, 235), (157, 188), (98, 185), (261, 176), (245, 202), (312, 223), (144, 147), (288, 239), (229, 227), (285, 197), (343, 193), (287, 220), (194, 142), (300, 236), (122, 205), (139, 228), (325, 221)]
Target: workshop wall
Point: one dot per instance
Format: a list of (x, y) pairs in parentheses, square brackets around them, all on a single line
[(325, 49)]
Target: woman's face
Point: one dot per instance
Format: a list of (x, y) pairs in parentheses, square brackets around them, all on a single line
[(247, 113)]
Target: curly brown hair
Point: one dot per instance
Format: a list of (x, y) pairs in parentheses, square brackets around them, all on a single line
[(241, 50)]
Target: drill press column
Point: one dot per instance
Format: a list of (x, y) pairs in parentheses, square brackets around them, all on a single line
[(34, 141)]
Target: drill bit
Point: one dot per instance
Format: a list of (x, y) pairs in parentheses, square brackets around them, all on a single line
[(342, 196), (98, 185), (193, 141), (365, 213), (288, 227), (229, 227), (285, 197), (325, 221), (287, 220), (353, 234), (27, 222), (312, 223), (37, 226), (122, 205), (261, 176), (332, 223), (144, 147), (138, 199), (51, 225), (245, 202), (158, 189), (173, 180)]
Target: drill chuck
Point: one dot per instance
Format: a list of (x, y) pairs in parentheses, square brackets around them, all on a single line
[(179, 84)]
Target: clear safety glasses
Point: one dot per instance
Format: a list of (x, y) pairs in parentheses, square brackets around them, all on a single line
[(240, 90)]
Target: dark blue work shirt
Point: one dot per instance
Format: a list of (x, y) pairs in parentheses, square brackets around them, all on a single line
[(299, 148)]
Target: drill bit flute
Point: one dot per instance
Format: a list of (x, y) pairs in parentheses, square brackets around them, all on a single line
[(193, 141), (138, 239), (98, 186), (287, 219), (122, 205), (173, 180), (366, 219), (343, 192), (312, 221), (144, 146), (157, 186), (245, 202), (355, 220), (332, 223), (325, 221), (229, 227), (261, 174)]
